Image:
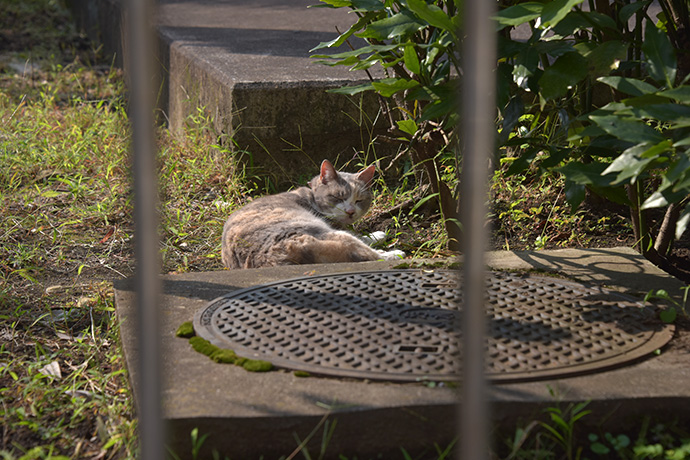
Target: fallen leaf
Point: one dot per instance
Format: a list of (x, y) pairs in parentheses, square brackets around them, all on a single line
[(51, 370)]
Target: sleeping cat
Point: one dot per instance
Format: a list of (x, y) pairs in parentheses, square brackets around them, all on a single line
[(297, 227)]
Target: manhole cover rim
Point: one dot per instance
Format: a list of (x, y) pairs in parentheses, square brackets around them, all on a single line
[(645, 348)]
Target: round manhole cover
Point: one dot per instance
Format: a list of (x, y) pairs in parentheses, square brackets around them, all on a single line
[(403, 325)]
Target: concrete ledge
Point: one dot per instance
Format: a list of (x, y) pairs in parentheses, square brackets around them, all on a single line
[(248, 415), (247, 63)]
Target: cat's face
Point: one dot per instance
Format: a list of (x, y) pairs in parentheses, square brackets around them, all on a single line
[(342, 197)]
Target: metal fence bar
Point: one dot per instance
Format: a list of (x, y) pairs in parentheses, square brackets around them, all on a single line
[(139, 58), (477, 113)]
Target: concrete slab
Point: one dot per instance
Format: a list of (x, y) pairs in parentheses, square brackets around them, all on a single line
[(248, 415)]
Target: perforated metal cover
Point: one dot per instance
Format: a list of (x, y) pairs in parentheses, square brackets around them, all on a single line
[(402, 325)]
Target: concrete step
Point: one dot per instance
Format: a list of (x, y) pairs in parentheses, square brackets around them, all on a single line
[(247, 62)]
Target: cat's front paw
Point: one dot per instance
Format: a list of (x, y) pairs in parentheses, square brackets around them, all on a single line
[(395, 254)]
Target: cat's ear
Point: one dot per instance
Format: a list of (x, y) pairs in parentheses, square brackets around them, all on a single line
[(328, 172), (367, 175)]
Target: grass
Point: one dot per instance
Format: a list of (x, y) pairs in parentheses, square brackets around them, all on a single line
[(66, 233)]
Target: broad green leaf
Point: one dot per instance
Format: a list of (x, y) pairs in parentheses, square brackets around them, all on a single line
[(678, 171), (357, 52), (630, 86), (630, 9), (336, 42), (659, 199), (632, 162), (518, 14), (668, 315), (407, 126), (367, 5), (675, 114), (573, 22), (680, 94), (398, 25), (335, 3), (554, 48), (439, 109), (566, 72), (523, 161), (601, 21), (587, 173), (432, 15), (659, 55), (389, 86), (605, 57), (350, 90), (627, 129), (555, 10), (683, 222), (412, 60), (511, 116), (574, 193)]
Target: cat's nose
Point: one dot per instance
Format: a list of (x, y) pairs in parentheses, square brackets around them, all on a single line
[(350, 212)]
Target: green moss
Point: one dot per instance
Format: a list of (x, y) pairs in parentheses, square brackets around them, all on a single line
[(222, 355), (256, 365), (301, 374), (203, 346), (186, 330)]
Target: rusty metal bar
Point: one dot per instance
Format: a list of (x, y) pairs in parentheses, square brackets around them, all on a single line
[(139, 59), (477, 113)]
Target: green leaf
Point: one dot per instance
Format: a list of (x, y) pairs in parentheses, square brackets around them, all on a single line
[(523, 161), (586, 173), (399, 25), (423, 200), (412, 60), (605, 57), (629, 164), (680, 94), (674, 114), (668, 315), (600, 21), (554, 11), (599, 449), (630, 86), (335, 3), (566, 72), (518, 14), (630, 9), (660, 56), (407, 126), (357, 52), (367, 5), (389, 86), (351, 90), (662, 198), (336, 42), (574, 193), (439, 109), (432, 15), (627, 129)]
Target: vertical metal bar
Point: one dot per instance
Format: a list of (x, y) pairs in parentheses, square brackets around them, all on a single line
[(478, 112), (139, 59)]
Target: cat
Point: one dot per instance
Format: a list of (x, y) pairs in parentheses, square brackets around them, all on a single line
[(299, 226)]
